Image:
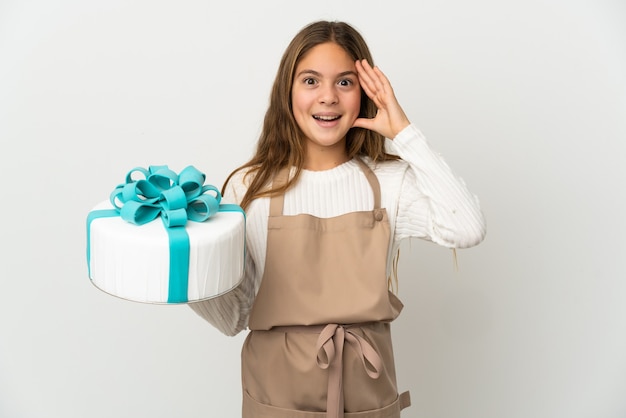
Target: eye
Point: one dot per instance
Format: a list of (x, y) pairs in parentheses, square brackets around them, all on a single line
[(309, 81), (345, 82)]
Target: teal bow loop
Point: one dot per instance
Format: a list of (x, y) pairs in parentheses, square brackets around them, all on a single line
[(176, 198)]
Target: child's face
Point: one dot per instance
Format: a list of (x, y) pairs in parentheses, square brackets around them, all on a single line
[(326, 96)]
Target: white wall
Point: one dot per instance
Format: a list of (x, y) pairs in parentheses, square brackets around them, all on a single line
[(525, 99)]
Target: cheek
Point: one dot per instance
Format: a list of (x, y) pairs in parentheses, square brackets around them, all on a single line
[(354, 104), (298, 109), (299, 102)]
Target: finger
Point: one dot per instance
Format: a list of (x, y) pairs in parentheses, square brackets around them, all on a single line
[(365, 79), (364, 123), (373, 77), (374, 83), (382, 78)]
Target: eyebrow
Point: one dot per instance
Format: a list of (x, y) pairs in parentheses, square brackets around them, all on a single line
[(318, 74)]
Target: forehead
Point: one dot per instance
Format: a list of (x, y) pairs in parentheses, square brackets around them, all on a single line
[(328, 57)]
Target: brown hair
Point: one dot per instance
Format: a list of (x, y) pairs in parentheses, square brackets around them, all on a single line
[(281, 142)]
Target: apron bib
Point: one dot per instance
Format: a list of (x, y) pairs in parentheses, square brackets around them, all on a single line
[(319, 341)]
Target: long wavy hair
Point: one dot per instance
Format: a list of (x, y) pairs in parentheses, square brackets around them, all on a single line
[(281, 142)]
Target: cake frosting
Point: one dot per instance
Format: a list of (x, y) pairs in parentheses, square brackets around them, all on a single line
[(165, 238)]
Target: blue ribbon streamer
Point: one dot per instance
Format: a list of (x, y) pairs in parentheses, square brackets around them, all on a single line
[(176, 198)]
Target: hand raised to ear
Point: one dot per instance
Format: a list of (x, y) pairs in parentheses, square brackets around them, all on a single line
[(390, 119)]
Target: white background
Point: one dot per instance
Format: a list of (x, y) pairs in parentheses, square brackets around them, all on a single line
[(525, 99)]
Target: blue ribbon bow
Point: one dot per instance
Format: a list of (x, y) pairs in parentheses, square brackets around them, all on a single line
[(176, 198)]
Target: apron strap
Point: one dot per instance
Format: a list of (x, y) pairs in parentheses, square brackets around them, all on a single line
[(277, 201), (372, 179), (405, 400)]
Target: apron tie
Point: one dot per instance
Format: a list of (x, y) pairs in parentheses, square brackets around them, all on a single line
[(329, 349)]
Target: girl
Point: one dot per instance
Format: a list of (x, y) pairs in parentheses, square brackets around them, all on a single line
[(328, 200)]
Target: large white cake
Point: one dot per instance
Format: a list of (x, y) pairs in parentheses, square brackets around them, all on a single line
[(144, 260)]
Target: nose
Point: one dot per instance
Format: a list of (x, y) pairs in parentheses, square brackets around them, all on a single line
[(328, 95)]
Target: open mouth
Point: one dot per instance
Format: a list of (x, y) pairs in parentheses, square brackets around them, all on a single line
[(325, 118)]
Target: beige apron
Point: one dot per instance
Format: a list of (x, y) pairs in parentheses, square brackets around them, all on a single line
[(324, 287)]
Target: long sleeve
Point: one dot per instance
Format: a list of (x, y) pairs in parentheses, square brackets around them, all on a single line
[(229, 312), (433, 203)]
